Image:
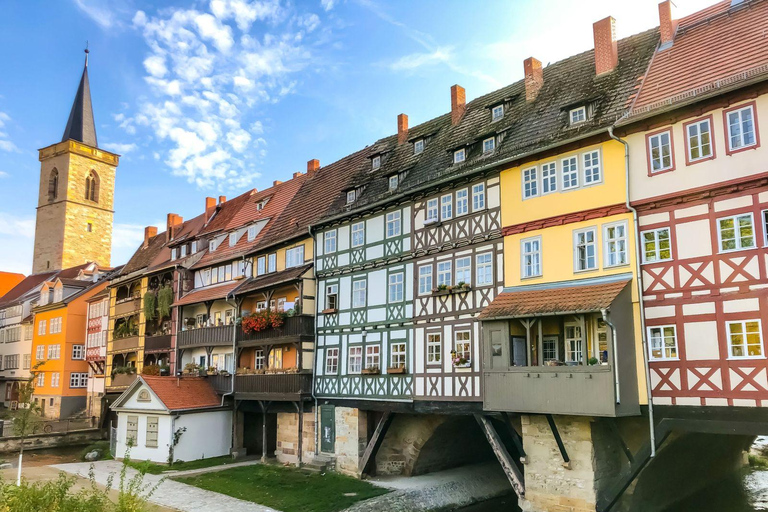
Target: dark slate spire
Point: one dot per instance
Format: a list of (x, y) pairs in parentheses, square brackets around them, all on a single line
[(80, 125)]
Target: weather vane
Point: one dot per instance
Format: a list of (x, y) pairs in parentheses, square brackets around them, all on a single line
[(86, 53)]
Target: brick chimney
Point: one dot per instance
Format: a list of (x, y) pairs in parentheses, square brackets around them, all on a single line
[(534, 78), (174, 222), (667, 26), (149, 232), (210, 207), (402, 128), (276, 183), (296, 175), (606, 51), (458, 103), (312, 166), (222, 199)]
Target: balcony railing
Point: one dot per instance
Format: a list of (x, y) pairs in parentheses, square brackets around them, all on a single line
[(221, 383), (129, 343), (127, 307), (205, 337), (161, 342), (122, 380), (95, 353), (293, 327), (279, 386)]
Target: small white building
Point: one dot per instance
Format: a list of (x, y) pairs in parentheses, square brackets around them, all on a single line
[(154, 409)]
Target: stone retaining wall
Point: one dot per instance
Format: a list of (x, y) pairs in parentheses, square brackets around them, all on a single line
[(288, 437), (52, 440)]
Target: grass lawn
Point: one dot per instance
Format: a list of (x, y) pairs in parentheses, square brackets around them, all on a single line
[(155, 469), (286, 489)]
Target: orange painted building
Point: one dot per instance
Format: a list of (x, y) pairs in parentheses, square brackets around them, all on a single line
[(8, 280)]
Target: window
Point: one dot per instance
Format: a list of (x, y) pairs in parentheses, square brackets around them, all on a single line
[(615, 240), (574, 343), (332, 361), (459, 156), (41, 327), (40, 352), (464, 270), (78, 380), (660, 151), (373, 356), (549, 349), (396, 287), (54, 351), (736, 233), (233, 239), (358, 293), (765, 228), (330, 241), (350, 196), (462, 201), (294, 256), (55, 376), (397, 355), (11, 362), (355, 361), (251, 233), (656, 245), (489, 145), (26, 363), (744, 339), (53, 185), (497, 112), (78, 352), (699, 140), (741, 128), (376, 162), (478, 197), (444, 271), (530, 183), (259, 359), (531, 257), (418, 146), (432, 213), (183, 251), (484, 269), (570, 172), (89, 227), (212, 245), (55, 327), (393, 181), (585, 247), (92, 187), (549, 178), (393, 224), (271, 263), (193, 246), (578, 115), (663, 342), (463, 346), (261, 265), (40, 380), (332, 296), (425, 280), (434, 348), (358, 234), (591, 167), (151, 438), (446, 207)]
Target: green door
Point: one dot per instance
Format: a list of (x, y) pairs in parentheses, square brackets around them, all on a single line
[(327, 428)]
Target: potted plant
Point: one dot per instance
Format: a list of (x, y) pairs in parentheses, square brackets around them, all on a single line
[(442, 289), (592, 361), (552, 362), (461, 286), (165, 370), (371, 370), (460, 361), (261, 321), (150, 369)]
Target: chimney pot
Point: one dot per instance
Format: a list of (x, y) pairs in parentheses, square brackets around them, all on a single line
[(173, 221), (149, 232), (402, 128), (296, 175), (534, 78), (458, 103), (667, 26), (313, 165), (606, 50), (210, 207), (276, 183)]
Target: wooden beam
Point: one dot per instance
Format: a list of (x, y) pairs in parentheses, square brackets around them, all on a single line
[(507, 464), (614, 428), (369, 455), (559, 441), (516, 437)]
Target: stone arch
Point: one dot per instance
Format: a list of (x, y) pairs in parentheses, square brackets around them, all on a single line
[(92, 187), (53, 185)]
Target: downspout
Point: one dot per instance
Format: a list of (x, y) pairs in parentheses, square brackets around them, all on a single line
[(614, 337), (638, 283), (234, 374), (176, 361), (314, 352)]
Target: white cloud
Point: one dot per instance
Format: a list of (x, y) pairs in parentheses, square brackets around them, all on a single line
[(4, 174), (327, 4), (211, 29), (309, 21), (418, 60), (6, 145), (155, 66), (244, 12), (119, 147), (97, 11)]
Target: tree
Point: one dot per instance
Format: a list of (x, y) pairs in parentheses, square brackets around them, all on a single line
[(26, 419)]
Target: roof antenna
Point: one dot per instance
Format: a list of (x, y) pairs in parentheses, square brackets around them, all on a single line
[(86, 54)]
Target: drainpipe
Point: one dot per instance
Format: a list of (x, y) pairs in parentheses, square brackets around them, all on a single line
[(643, 336), (314, 352), (614, 337), (176, 361)]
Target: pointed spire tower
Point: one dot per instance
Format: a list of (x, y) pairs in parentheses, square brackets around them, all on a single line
[(76, 196), (80, 126)]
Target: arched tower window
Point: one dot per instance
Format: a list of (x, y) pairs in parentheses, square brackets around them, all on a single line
[(53, 185), (92, 187)]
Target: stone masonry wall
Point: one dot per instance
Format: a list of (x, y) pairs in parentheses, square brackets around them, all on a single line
[(351, 438), (403, 443), (288, 437)]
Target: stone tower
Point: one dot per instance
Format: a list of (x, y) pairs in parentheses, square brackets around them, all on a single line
[(76, 197)]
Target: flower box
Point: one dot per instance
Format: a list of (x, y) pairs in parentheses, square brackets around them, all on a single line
[(370, 371), (437, 292), (399, 369), (463, 365), (329, 311)]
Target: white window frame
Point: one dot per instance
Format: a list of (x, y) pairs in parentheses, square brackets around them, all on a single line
[(332, 361), (765, 227), (359, 293), (497, 112), (396, 285), (261, 265), (688, 137), (661, 146), (444, 274), (40, 380), (55, 379), (398, 355), (355, 359), (332, 290), (737, 233), (78, 352), (569, 172), (478, 197), (433, 211), (489, 145), (739, 112), (271, 263), (613, 245), (394, 225), (446, 207), (577, 244), (548, 178), (350, 196), (233, 239), (463, 347), (373, 356), (173, 254), (329, 242), (463, 270), (663, 347), (40, 353), (534, 253), (745, 345), (358, 234), (574, 345), (212, 246), (592, 167), (530, 182), (459, 156), (434, 348), (78, 380), (41, 327), (462, 202), (376, 162), (577, 115), (484, 269), (294, 257), (183, 251), (418, 146), (394, 181), (251, 232), (544, 349), (425, 279), (657, 249)]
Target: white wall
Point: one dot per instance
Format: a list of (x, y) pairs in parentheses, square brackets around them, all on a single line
[(209, 434), (140, 451)]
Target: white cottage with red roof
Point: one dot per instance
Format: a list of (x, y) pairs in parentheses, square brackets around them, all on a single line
[(154, 411)]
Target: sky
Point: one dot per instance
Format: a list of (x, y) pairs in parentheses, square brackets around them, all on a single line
[(215, 97)]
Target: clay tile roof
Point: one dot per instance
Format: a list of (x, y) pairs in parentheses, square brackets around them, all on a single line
[(183, 393), (560, 298), (208, 293), (713, 48), (28, 284), (265, 281)]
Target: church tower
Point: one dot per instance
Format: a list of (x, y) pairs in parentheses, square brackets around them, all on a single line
[(76, 197)]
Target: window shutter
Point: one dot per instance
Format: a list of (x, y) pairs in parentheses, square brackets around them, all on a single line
[(151, 441), (131, 434)]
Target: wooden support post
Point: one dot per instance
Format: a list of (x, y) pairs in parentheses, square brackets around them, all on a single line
[(264, 408), (300, 410), (614, 428), (514, 475), (369, 455), (516, 438), (559, 441)]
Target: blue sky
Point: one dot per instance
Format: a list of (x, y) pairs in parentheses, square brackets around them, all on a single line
[(218, 96)]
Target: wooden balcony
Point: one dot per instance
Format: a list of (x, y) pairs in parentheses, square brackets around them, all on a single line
[(95, 353), (277, 386), (158, 343), (122, 344), (294, 329), (221, 383), (205, 337), (128, 307)]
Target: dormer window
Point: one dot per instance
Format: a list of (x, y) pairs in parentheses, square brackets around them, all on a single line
[(173, 254), (497, 112), (376, 162), (578, 115), (489, 145), (193, 248), (418, 146), (251, 232), (393, 182), (212, 245), (351, 196), (233, 239), (183, 251), (459, 156)]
